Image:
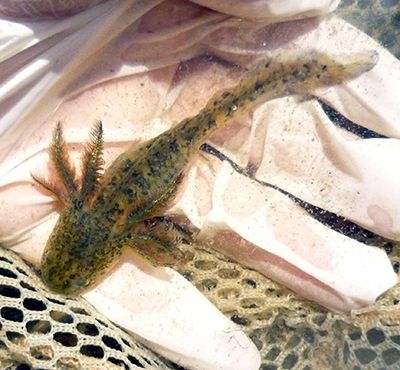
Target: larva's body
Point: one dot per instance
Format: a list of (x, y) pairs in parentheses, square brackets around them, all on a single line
[(106, 213)]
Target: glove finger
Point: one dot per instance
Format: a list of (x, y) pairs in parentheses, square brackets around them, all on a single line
[(271, 10), (265, 230), (310, 158)]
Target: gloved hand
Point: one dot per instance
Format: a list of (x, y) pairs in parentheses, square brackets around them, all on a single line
[(125, 64)]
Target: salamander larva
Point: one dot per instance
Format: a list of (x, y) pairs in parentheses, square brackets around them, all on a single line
[(106, 212)]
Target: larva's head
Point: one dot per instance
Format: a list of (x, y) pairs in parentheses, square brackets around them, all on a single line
[(76, 254)]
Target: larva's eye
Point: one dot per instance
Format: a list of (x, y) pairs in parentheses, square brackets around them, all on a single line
[(78, 204)]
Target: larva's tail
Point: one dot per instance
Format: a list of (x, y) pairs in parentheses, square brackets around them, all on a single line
[(326, 70), (290, 73), (282, 74)]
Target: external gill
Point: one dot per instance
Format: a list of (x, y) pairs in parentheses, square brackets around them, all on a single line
[(92, 163), (66, 187)]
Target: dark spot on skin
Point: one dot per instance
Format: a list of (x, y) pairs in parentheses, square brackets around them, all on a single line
[(100, 200), (258, 85), (226, 94), (211, 123), (138, 179), (127, 165), (159, 155), (117, 209), (189, 134), (129, 193), (173, 146)]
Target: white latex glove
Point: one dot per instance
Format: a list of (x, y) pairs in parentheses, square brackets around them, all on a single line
[(272, 11), (68, 71)]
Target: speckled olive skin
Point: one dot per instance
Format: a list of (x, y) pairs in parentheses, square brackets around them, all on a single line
[(104, 213)]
